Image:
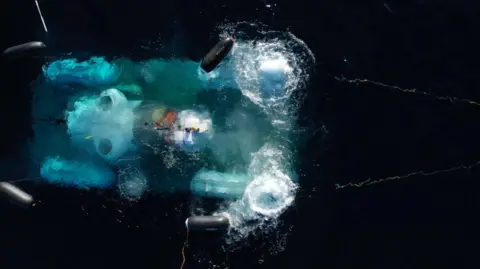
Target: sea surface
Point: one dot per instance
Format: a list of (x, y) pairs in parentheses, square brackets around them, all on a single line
[(393, 99)]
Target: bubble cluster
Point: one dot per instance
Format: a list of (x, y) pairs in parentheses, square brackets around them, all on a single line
[(131, 183)]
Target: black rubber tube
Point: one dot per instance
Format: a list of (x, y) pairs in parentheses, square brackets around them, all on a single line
[(213, 58), (24, 50), (15, 195), (207, 223)]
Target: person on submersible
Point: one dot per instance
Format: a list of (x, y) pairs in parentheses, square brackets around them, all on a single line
[(189, 135), (183, 136)]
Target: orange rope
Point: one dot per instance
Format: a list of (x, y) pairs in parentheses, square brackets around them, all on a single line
[(183, 250)]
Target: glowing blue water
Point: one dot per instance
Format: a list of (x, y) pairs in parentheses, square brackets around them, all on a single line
[(96, 71), (219, 185), (102, 125), (82, 175), (250, 145)]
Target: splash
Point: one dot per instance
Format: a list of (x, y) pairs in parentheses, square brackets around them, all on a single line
[(272, 190), (266, 197), (268, 68), (242, 152), (131, 183), (103, 124)]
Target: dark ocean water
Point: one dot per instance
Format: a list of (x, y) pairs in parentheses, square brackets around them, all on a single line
[(362, 131)]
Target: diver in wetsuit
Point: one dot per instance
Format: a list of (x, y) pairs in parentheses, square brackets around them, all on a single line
[(189, 133)]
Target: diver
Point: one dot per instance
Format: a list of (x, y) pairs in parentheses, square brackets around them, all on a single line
[(189, 134), (192, 129), (169, 126)]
